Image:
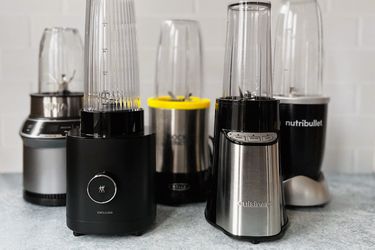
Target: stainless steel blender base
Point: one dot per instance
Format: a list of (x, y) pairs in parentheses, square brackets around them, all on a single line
[(302, 191)]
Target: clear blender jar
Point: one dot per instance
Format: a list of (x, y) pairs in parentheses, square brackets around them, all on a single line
[(298, 75), (179, 115)]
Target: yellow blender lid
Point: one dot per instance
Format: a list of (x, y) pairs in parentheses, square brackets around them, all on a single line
[(166, 102)]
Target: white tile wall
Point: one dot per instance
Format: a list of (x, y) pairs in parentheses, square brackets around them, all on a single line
[(349, 73)]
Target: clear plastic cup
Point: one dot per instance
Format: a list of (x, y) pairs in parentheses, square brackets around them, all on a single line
[(248, 63), (298, 58), (60, 61), (179, 73)]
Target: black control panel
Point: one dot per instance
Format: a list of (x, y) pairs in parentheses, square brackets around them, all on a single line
[(48, 129)]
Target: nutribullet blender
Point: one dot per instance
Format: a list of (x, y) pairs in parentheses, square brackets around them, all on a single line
[(246, 199), (55, 109), (111, 158), (179, 116), (298, 73)]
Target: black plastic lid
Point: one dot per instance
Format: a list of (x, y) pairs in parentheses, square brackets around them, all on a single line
[(112, 124), (248, 115)]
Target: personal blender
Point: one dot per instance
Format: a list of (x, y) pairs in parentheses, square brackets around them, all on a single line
[(111, 158), (298, 76), (179, 116), (55, 109), (246, 198)]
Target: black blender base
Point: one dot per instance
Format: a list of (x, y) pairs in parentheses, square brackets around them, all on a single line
[(126, 228), (129, 162), (181, 189), (134, 234), (253, 240), (48, 200)]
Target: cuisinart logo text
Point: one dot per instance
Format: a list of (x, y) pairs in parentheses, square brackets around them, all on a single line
[(254, 204), (304, 123)]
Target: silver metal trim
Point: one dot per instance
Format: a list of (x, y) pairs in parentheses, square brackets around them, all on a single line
[(54, 121), (54, 106), (39, 122), (42, 136), (308, 100), (101, 176), (302, 191), (258, 138)]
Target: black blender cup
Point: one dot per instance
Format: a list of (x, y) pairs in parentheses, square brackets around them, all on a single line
[(298, 77)]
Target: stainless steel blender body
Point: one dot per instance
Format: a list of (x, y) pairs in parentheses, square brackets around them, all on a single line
[(182, 154), (249, 186), (246, 199), (44, 153), (181, 139)]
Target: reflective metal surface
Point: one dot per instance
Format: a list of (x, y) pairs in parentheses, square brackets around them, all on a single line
[(181, 140), (44, 166), (43, 134), (258, 138), (249, 198), (47, 129), (302, 191), (55, 106), (303, 100)]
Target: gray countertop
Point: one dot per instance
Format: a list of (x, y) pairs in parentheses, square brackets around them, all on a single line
[(348, 222)]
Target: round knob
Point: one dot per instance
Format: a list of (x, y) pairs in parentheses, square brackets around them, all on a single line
[(101, 189)]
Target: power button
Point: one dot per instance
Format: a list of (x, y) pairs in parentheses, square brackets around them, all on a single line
[(101, 189)]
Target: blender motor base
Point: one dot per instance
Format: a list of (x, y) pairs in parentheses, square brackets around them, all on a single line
[(302, 191)]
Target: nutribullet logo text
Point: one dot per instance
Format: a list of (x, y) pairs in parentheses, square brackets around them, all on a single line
[(304, 123)]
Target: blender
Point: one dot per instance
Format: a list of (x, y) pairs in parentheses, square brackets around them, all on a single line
[(246, 197), (298, 76), (111, 158), (179, 116), (55, 109)]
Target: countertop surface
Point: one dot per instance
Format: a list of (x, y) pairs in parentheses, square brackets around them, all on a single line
[(348, 222)]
